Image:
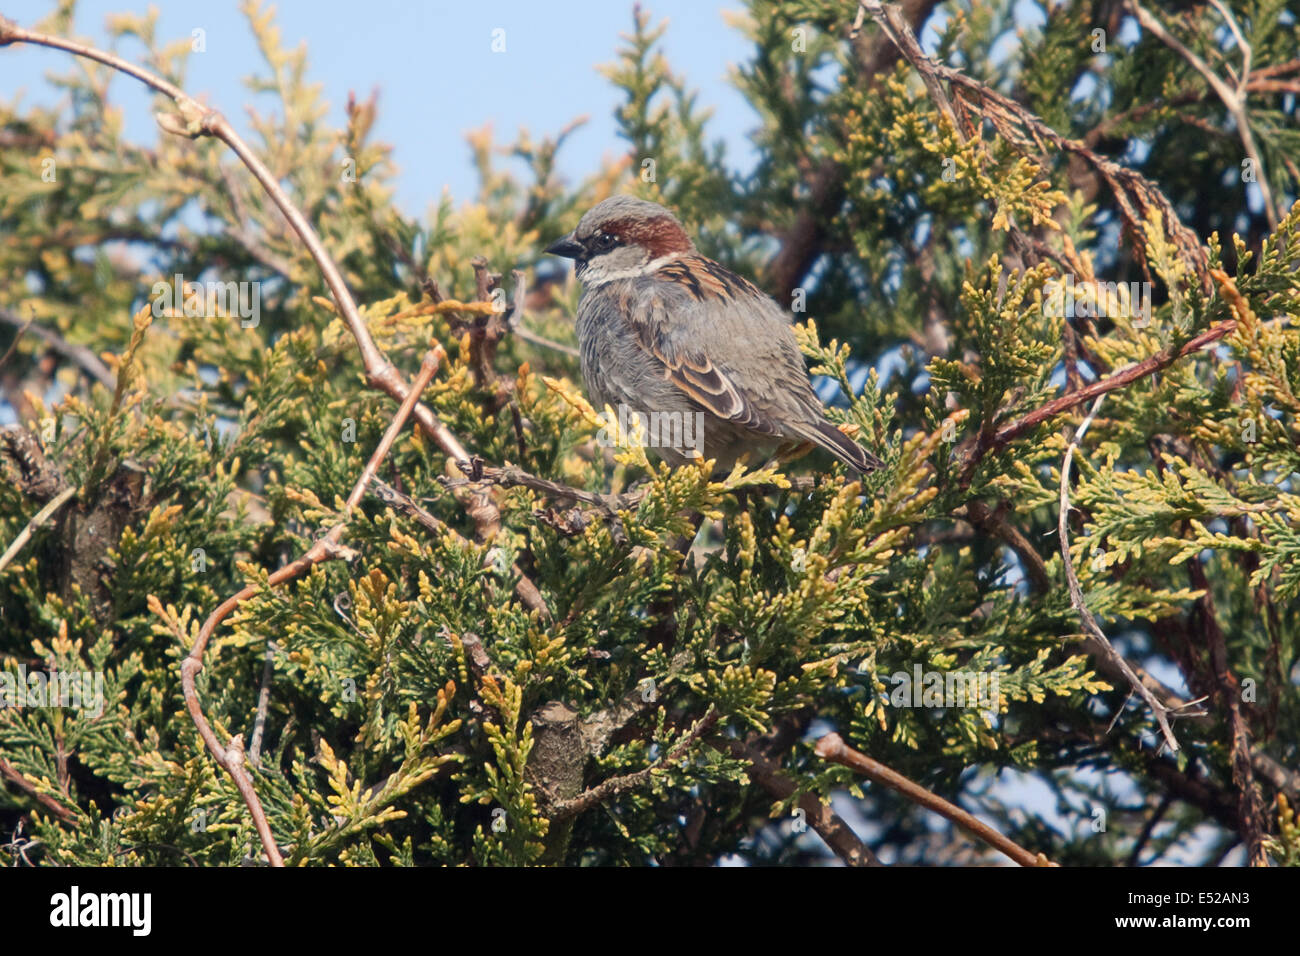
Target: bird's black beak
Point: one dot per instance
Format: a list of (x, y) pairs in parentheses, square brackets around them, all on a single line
[(567, 246)]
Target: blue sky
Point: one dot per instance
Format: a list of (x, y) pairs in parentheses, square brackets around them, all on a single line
[(434, 68)]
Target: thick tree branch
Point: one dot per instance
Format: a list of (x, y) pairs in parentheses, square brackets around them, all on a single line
[(827, 824), (567, 809)]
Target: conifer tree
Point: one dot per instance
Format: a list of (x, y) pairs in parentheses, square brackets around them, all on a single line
[(1048, 272)]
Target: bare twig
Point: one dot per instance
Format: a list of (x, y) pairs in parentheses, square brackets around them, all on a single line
[(1076, 591), (528, 335), (833, 748), (891, 22), (13, 346), (41, 517), (1234, 100), (11, 774), (1149, 827), (511, 477), (232, 757)]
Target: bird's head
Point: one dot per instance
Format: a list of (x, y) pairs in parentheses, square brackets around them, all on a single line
[(621, 238)]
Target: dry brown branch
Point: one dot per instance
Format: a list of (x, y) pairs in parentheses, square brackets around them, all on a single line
[(1076, 591), (1125, 376), (18, 336), (8, 772), (511, 477), (1233, 100), (826, 823), (1135, 195), (231, 757), (833, 748)]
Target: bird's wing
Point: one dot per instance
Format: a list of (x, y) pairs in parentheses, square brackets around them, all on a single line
[(699, 324), (701, 316)]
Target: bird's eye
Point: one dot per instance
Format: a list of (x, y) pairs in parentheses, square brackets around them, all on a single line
[(602, 242)]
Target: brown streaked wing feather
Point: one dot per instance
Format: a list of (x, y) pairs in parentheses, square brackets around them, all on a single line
[(748, 402), (705, 279), (687, 367)]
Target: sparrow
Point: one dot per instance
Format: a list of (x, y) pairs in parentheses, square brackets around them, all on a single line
[(663, 330)]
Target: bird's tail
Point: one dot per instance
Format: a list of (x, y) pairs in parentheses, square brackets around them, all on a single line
[(826, 436)]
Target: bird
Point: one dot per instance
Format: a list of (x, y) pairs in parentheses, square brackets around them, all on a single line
[(678, 340)]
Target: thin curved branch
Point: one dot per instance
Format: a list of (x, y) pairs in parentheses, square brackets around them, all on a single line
[(1076, 591), (833, 748), (1233, 100), (196, 120), (231, 757), (1125, 376)]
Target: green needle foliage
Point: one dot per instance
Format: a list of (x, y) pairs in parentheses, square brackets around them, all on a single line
[(496, 674)]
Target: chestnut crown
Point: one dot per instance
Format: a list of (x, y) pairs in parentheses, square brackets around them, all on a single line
[(620, 235)]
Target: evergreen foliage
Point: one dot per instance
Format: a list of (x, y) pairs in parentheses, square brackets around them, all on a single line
[(405, 705)]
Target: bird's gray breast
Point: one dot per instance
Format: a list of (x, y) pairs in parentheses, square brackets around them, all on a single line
[(616, 367)]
